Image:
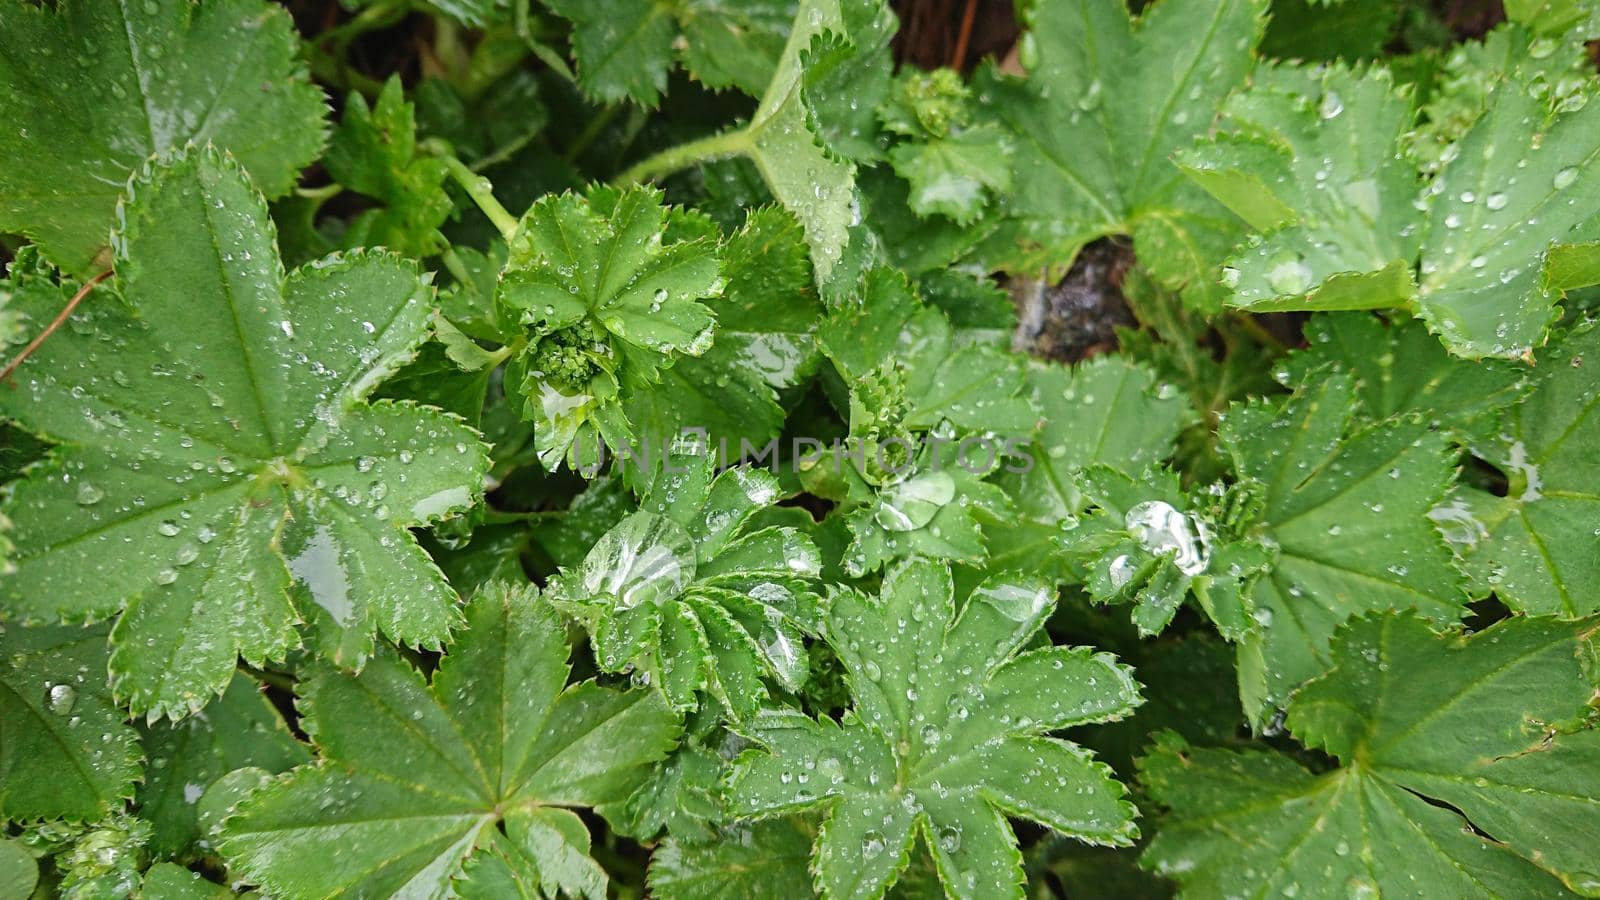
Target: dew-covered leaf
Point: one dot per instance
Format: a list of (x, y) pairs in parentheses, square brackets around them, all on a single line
[(815, 185), (845, 74), (947, 737), (1537, 547), (170, 881), (623, 47), (90, 90), (935, 506), (764, 343), (734, 44), (1459, 90), (220, 479), (953, 176), (374, 152), (1312, 160), (1400, 369), (1108, 411), (683, 795), (1556, 17), (607, 302), (686, 593), (762, 858), (1107, 100), (240, 729), (470, 776), (1347, 508), (1149, 542), (909, 368), (1462, 768), (19, 872), (65, 750)]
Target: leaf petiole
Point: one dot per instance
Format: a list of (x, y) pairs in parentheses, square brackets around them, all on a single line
[(478, 188), (706, 149)]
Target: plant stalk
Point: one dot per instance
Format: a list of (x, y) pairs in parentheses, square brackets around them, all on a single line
[(482, 193), (706, 149)]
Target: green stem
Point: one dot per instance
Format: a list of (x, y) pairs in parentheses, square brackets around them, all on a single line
[(706, 149), (505, 151), (324, 192), (456, 267), (523, 24), (1256, 330), (591, 131), (481, 192), (278, 680), (380, 15), (508, 351), (327, 68)]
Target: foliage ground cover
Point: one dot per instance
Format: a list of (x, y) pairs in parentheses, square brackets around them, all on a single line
[(499, 448)]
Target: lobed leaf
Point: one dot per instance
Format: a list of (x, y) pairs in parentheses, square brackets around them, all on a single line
[(220, 479)]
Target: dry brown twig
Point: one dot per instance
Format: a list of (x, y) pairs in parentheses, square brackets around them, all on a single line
[(66, 311)]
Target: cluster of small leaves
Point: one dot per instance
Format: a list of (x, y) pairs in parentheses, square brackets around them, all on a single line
[(491, 448)]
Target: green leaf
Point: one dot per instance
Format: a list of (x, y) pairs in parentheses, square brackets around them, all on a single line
[(1318, 149), (947, 738), (91, 90), (374, 152), (764, 343), (240, 729), (933, 505), (1107, 101), (719, 393), (953, 167), (65, 751), (220, 479), (1400, 369), (103, 859), (763, 858), (1107, 411), (467, 781), (734, 44), (173, 882), (26, 272), (915, 359), (814, 185), (683, 795), (608, 303), (1348, 30), (19, 872), (539, 848), (472, 13), (1148, 543), (1459, 91), (1457, 772), (1535, 547), (1555, 17), (689, 595), (955, 176), (1189, 687), (845, 76), (1570, 266), (927, 104), (623, 47), (1348, 510), (1325, 147), (769, 311), (568, 534)]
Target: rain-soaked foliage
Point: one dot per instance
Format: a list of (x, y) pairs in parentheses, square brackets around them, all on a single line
[(738, 448)]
